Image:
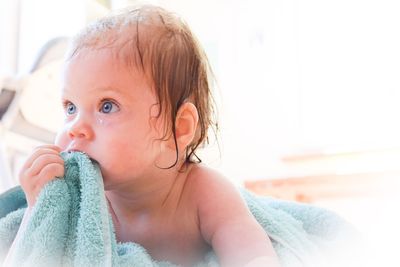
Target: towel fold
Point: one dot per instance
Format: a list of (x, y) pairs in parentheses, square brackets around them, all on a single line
[(70, 225)]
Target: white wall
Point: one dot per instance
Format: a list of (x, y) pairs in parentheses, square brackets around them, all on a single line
[(298, 76), (42, 20), (293, 75), (9, 15)]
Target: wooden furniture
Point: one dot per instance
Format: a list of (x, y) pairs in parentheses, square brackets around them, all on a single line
[(323, 176)]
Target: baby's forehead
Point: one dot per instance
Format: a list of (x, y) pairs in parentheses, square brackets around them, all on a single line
[(131, 46), (97, 73), (136, 37)]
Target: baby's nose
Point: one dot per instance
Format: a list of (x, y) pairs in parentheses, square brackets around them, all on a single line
[(80, 129)]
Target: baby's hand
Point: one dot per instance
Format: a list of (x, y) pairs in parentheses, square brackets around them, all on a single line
[(42, 166)]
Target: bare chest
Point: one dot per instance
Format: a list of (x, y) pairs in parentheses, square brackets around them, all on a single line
[(173, 237)]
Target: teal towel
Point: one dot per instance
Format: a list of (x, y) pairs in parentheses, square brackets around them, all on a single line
[(70, 225)]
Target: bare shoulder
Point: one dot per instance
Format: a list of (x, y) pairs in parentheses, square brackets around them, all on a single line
[(226, 222), (206, 177), (209, 185), (218, 199)]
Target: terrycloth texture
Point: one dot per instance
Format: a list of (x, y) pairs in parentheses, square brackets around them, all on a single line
[(70, 226)]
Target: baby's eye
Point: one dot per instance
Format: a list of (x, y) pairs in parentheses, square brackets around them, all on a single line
[(70, 108), (108, 107)]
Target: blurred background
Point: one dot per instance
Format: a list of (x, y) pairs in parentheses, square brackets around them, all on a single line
[(308, 94)]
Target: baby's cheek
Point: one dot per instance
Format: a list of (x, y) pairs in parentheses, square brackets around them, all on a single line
[(61, 140)]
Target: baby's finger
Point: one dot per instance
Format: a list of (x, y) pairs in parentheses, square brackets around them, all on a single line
[(40, 162), (48, 173), (45, 149)]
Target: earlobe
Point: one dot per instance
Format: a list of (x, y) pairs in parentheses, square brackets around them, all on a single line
[(186, 124)]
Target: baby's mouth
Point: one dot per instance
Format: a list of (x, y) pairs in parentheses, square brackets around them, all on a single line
[(91, 159), (94, 161)]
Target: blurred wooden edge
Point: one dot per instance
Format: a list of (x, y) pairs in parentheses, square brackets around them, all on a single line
[(331, 186)]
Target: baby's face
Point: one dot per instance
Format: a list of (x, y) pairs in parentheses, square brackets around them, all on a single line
[(110, 115)]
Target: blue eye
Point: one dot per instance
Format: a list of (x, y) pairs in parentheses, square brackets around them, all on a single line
[(108, 107), (70, 108)]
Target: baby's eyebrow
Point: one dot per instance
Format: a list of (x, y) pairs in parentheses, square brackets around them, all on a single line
[(106, 89), (65, 92), (110, 89), (97, 93)]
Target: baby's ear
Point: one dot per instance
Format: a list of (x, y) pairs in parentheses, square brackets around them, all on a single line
[(186, 124)]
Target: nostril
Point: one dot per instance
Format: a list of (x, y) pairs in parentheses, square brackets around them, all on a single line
[(75, 134), (71, 134), (80, 129)]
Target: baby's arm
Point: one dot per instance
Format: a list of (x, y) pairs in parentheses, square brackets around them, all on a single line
[(227, 224)]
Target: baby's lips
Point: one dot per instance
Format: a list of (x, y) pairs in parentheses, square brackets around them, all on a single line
[(77, 150), (73, 150), (94, 161)]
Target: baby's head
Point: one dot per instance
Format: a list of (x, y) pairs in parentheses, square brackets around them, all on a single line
[(161, 46)]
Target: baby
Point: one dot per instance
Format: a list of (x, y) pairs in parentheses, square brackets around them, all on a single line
[(137, 100)]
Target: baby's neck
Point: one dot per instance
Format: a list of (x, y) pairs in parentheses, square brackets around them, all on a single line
[(148, 195), (164, 221)]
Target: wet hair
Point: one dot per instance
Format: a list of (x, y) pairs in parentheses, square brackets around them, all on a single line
[(161, 45)]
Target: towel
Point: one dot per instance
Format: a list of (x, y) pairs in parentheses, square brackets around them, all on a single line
[(70, 225)]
